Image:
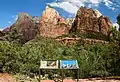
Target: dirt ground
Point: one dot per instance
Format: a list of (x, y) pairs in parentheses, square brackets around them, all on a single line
[(84, 80), (4, 77)]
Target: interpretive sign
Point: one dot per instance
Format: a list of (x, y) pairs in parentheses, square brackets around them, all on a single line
[(49, 64), (69, 64)]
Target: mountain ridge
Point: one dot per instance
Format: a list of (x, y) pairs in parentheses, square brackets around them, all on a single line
[(51, 24)]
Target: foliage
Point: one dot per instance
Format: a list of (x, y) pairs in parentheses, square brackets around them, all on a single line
[(118, 20), (94, 60), (13, 36), (9, 57)]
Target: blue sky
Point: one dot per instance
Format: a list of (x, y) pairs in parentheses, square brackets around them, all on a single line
[(69, 62), (67, 8)]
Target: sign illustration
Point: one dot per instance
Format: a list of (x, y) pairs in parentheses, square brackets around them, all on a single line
[(49, 64), (68, 64)]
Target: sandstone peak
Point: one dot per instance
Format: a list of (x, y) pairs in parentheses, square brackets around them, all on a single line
[(47, 7), (52, 24), (23, 14), (50, 15), (97, 12), (24, 26), (89, 21)]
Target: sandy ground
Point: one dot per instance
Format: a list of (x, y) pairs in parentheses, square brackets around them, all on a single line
[(4, 77), (84, 80)]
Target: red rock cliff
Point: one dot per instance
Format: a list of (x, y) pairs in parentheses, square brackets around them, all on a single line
[(91, 21), (25, 26), (52, 24)]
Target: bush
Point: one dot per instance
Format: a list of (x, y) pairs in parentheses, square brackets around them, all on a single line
[(94, 60)]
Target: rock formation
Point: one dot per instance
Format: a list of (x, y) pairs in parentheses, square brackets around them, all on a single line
[(52, 24), (70, 21), (88, 21), (25, 25), (98, 14), (1, 34)]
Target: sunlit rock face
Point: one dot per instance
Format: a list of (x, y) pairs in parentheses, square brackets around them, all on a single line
[(52, 24), (90, 21), (70, 21), (98, 14), (25, 25)]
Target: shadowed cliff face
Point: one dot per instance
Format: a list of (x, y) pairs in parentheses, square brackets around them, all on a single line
[(91, 21), (26, 26), (1, 34), (52, 24)]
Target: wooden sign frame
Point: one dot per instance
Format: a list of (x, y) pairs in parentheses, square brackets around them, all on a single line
[(59, 68)]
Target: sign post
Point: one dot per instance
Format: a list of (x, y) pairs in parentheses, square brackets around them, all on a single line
[(64, 64), (78, 76), (69, 64), (47, 64), (39, 75)]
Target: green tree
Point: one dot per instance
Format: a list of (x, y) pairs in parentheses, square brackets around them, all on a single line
[(118, 21), (9, 57), (13, 36)]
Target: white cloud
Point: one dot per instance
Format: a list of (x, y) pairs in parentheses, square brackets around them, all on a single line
[(66, 6), (9, 22), (71, 6), (109, 4), (95, 1), (14, 19), (116, 25), (1, 29)]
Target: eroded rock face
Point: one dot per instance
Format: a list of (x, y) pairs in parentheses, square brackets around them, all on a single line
[(98, 14), (52, 24), (1, 34), (90, 21), (26, 26), (70, 21)]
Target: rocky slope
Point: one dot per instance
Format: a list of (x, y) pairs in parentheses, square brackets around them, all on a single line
[(52, 24), (90, 21)]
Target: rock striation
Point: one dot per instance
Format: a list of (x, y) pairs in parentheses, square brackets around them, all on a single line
[(52, 24), (90, 21)]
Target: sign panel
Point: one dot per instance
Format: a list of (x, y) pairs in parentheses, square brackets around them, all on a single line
[(68, 64), (49, 64)]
